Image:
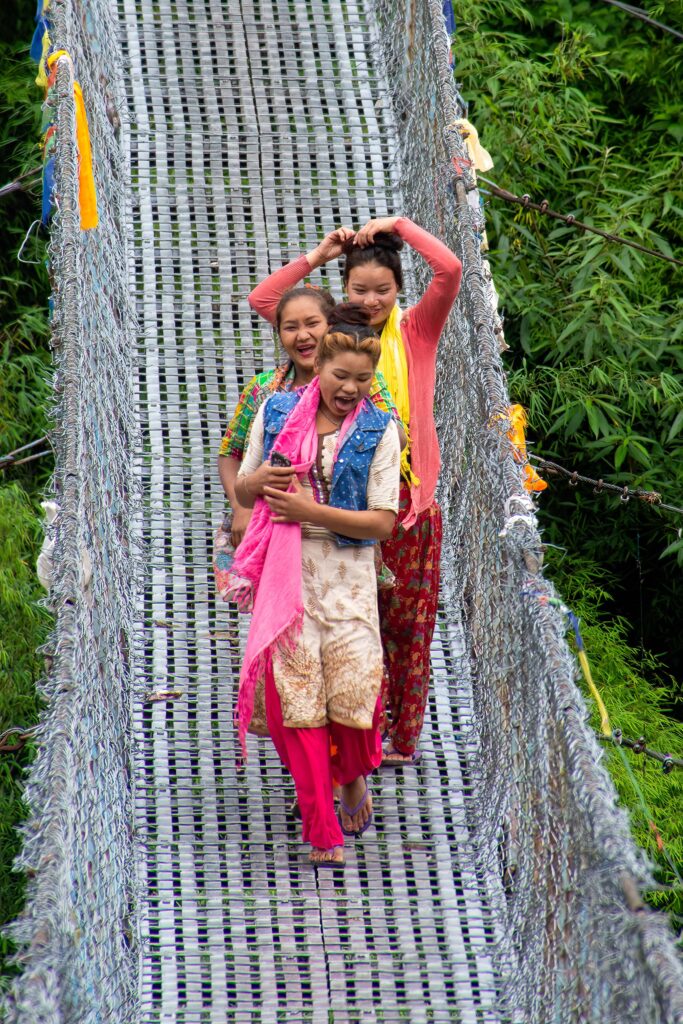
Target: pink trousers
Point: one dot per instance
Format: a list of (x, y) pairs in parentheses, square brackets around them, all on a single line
[(307, 756)]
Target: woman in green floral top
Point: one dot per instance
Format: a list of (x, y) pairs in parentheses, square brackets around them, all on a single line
[(300, 316)]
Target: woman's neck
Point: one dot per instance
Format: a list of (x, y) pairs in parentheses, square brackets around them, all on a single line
[(329, 417), (302, 377)]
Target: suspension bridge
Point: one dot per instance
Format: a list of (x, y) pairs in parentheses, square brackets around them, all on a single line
[(500, 885)]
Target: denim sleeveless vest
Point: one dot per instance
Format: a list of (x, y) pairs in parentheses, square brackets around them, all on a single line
[(352, 467)]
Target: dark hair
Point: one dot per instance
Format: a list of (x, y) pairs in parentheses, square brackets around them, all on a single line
[(351, 318), (307, 291), (349, 331), (384, 250)]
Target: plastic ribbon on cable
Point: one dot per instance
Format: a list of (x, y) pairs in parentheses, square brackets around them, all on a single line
[(449, 19), (40, 44), (87, 197), (40, 50)]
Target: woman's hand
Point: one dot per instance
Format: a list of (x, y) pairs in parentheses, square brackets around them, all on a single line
[(278, 477), (292, 506), (365, 236), (331, 247), (240, 522)]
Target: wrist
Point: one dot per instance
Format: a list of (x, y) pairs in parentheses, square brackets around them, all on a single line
[(315, 514), (315, 258), (246, 490), (232, 495)]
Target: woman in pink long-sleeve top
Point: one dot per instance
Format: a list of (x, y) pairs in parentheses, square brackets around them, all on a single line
[(373, 278)]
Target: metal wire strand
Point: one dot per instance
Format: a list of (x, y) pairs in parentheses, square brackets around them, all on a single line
[(571, 221)]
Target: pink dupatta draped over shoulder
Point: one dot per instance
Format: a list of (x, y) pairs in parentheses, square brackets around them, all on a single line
[(266, 573)]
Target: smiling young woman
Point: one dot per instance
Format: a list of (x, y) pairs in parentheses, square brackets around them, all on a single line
[(300, 317), (314, 663), (373, 277)]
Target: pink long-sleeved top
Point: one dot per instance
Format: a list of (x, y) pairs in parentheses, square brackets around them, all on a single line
[(421, 328)]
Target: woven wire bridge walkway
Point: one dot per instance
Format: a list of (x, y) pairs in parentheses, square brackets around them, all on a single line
[(500, 883), (275, 139)]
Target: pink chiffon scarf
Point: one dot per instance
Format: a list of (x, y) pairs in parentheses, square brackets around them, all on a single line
[(266, 574)]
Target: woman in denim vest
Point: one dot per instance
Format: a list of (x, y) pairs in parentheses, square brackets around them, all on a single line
[(313, 670)]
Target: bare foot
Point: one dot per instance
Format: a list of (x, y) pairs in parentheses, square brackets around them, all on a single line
[(352, 795), (333, 856)]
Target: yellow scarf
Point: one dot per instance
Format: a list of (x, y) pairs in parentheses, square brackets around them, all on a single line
[(393, 366)]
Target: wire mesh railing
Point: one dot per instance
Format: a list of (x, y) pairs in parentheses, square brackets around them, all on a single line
[(574, 943), (75, 935)]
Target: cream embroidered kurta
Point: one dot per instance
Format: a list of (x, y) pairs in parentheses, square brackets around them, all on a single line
[(335, 671)]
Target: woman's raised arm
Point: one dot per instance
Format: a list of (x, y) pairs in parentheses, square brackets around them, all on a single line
[(266, 295), (429, 315)]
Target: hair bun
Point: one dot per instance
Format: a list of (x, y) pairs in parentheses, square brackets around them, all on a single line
[(348, 313), (387, 240)]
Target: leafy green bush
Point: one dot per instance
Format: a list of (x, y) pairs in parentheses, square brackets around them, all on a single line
[(638, 704), (24, 372), (24, 627), (579, 103)]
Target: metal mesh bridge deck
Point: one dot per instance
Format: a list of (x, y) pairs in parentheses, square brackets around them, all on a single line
[(256, 129)]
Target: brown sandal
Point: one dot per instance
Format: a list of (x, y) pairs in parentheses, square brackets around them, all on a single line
[(334, 864), (395, 759)]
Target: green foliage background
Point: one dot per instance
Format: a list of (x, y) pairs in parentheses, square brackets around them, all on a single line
[(24, 373), (578, 103)]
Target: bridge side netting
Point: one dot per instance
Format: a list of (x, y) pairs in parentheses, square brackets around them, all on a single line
[(74, 936), (545, 814)]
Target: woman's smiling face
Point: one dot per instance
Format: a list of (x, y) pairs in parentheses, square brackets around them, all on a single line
[(302, 327), (345, 380), (374, 287)]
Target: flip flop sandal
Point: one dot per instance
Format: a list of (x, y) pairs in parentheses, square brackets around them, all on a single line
[(352, 812), (395, 759), (334, 865)]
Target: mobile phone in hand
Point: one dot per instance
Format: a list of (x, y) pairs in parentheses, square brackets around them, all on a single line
[(278, 459)]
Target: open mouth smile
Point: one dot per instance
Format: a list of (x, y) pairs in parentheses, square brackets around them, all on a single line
[(344, 404)]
